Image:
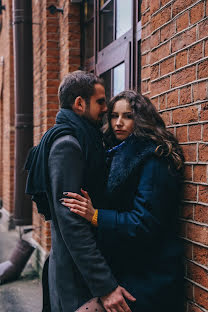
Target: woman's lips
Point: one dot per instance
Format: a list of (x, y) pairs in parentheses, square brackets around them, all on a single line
[(120, 131)]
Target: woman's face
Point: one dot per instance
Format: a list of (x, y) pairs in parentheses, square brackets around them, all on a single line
[(122, 121)]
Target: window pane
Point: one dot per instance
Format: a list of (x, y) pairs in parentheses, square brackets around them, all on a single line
[(107, 80), (102, 2), (89, 39), (123, 17), (118, 79), (88, 9), (106, 25)]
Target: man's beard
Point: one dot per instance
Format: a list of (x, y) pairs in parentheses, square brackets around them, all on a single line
[(99, 122)]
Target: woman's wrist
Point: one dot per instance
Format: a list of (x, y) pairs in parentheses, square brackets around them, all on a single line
[(94, 220)]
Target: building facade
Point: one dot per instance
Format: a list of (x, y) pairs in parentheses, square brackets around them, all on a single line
[(158, 47)]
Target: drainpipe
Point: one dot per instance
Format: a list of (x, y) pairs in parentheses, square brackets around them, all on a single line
[(23, 77)]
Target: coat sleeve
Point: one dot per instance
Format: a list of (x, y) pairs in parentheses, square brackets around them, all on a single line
[(66, 166), (156, 189)]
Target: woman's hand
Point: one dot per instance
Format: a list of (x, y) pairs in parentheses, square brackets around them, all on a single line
[(79, 204)]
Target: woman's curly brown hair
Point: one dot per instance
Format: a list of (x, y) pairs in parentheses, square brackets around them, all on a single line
[(149, 124)]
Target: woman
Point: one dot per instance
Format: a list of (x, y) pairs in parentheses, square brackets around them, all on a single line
[(137, 232)]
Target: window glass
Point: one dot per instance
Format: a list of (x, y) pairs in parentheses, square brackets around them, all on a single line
[(123, 17), (88, 9), (107, 80), (106, 25), (118, 79), (102, 2)]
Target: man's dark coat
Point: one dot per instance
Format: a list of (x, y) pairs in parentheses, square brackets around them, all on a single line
[(77, 270), (138, 234)]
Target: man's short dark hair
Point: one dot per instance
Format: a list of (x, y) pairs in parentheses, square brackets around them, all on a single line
[(77, 83)]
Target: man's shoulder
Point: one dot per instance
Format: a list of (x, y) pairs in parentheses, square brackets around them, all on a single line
[(65, 141)]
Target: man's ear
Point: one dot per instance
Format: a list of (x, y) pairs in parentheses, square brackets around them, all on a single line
[(79, 105)]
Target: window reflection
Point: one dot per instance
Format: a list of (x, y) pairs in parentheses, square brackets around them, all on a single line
[(123, 17), (106, 25), (118, 79), (88, 9)]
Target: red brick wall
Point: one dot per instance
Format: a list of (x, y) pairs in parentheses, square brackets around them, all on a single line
[(7, 110), (175, 76), (56, 41)]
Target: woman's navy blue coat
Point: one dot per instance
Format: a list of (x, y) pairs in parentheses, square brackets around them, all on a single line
[(138, 233)]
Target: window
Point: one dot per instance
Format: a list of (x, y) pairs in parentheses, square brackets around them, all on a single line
[(111, 42)]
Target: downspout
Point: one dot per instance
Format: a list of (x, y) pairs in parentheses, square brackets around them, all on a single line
[(23, 80)]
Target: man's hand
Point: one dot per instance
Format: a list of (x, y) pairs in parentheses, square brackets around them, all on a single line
[(115, 302)]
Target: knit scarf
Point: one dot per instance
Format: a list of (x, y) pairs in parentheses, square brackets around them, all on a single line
[(67, 123)]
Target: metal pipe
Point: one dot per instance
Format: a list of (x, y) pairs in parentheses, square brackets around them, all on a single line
[(23, 77)]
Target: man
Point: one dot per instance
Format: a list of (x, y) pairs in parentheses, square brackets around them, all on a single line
[(69, 157)]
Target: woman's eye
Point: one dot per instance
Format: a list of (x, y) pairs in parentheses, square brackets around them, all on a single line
[(130, 116), (113, 116)]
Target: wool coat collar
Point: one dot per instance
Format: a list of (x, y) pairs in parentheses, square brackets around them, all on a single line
[(127, 157)]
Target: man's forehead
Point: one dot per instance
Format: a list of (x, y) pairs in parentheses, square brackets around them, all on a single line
[(99, 90)]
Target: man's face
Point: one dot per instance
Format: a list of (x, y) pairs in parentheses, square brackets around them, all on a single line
[(97, 107)]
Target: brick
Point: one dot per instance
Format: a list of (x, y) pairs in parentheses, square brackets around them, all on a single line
[(188, 250), (194, 133), (197, 13), (146, 45), (203, 70), (200, 91), (188, 172), (196, 52), (185, 95), (200, 255), (203, 29), (181, 134), (154, 6), (181, 59), (203, 194), (193, 308), (206, 48), (161, 18), (180, 5), (163, 2), (185, 115), (184, 39), (200, 296), (167, 31), (204, 111), (189, 290), (187, 211), (183, 76), (200, 173), (163, 101), (197, 233), (172, 98), (166, 116), (201, 214), (154, 71), (155, 39), (145, 72), (146, 31), (155, 102), (182, 21), (205, 133), (160, 86), (190, 192), (189, 151), (160, 53), (145, 18), (203, 152), (167, 66)]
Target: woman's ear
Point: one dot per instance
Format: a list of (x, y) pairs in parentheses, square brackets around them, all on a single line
[(79, 105)]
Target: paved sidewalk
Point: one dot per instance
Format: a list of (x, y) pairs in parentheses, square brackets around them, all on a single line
[(23, 295)]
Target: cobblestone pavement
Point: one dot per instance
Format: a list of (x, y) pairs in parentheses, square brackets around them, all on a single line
[(24, 294)]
